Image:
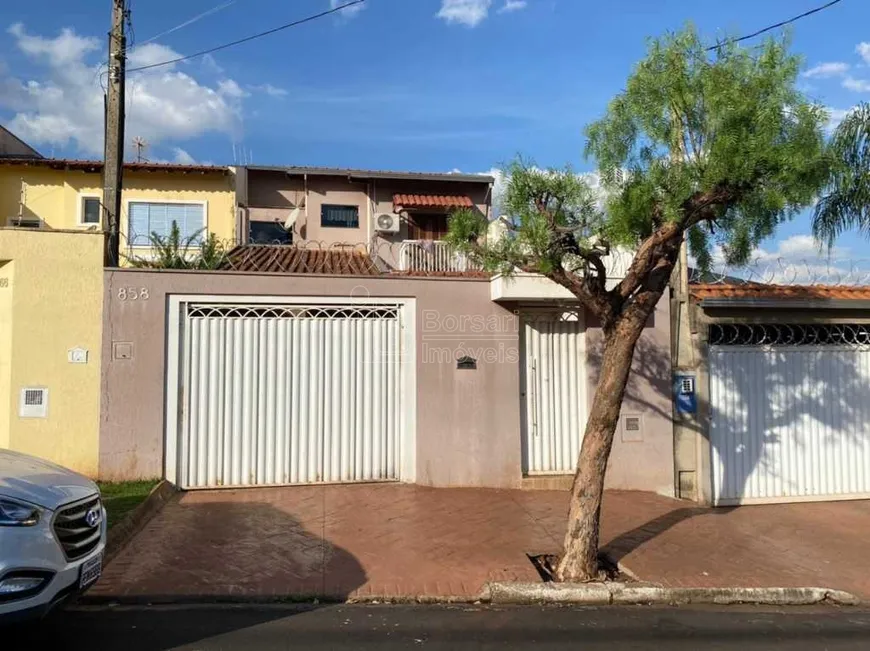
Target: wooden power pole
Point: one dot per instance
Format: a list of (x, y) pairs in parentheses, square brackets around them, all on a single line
[(114, 136)]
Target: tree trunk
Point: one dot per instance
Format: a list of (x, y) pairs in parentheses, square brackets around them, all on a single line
[(579, 560)]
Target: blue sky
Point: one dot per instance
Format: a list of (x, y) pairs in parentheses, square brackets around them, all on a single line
[(400, 84)]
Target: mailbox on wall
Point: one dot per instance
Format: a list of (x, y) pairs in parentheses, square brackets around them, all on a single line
[(684, 394)]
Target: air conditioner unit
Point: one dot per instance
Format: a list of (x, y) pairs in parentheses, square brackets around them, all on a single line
[(387, 222)]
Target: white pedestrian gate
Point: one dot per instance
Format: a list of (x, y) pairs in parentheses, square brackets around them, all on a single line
[(554, 389), (289, 394), (790, 413)]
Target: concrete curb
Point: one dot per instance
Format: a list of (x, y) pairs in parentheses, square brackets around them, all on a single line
[(120, 534), (605, 594)]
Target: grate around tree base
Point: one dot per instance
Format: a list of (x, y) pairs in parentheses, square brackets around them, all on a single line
[(545, 565)]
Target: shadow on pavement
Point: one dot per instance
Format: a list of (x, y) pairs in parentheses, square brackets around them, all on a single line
[(201, 551), (627, 542)]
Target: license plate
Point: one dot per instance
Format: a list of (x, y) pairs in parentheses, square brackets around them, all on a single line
[(91, 570)]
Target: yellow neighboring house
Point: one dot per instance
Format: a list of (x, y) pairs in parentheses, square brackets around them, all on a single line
[(51, 287), (66, 194)]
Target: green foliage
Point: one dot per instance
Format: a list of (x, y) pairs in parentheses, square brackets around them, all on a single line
[(846, 204), (176, 252), (690, 123), (541, 205), (720, 144)]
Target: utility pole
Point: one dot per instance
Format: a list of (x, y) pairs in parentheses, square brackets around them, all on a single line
[(114, 136)]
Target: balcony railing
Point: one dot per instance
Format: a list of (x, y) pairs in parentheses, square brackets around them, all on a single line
[(432, 256)]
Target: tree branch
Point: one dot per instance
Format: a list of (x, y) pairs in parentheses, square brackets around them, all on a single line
[(696, 209)]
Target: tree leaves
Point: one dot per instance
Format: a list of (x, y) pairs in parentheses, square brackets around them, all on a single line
[(846, 204)]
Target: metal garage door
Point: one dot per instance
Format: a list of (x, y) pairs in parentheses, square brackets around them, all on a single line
[(289, 394), (790, 412), (554, 386)]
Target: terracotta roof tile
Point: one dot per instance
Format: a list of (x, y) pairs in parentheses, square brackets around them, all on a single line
[(794, 292), (431, 201), (293, 260)]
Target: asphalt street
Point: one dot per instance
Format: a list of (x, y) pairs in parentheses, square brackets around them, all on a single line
[(385, 627)]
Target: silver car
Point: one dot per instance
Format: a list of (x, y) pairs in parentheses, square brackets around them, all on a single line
[(52, 535)]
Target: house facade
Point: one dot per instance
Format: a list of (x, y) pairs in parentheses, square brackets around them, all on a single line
[(400, 217), (781, 376), (342, 340), (52, 194), (250, 378), (52, 250)]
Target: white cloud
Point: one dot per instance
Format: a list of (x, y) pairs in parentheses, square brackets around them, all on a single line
[(270, 90), (857, 85), (230, 88), (836, 115), (465, 12), (826, 70), (150, 54), (350, 12), (63, 104), (181, 157), (66, 48), (512, 5), (863, 49)]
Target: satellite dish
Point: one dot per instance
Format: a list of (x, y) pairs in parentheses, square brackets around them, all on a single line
[(292, 218)]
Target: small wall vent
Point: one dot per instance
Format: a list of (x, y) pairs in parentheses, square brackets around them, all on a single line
[(33, 402)]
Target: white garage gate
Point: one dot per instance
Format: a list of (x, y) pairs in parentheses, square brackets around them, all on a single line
[(273, 393), (790, 412)]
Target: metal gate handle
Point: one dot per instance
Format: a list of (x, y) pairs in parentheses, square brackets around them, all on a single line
[(534, 396)]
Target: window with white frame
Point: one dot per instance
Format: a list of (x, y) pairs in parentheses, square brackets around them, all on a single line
[(148, 217), (90, 211)]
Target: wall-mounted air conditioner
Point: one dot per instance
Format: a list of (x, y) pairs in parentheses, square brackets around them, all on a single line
[(387, 222)]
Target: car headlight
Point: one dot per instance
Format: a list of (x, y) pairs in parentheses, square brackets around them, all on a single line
[(17, 514)]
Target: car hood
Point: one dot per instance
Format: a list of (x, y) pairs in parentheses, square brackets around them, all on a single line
[(41, 482)]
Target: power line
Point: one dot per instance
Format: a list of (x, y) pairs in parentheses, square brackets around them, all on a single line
[(189, 21), (772, 27), (250, 38)]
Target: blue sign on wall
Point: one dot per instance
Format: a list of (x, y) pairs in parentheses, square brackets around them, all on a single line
[(684, 394)]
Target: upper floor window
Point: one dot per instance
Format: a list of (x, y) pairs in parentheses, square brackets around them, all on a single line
[(90, 211), (147, 218), (335, 216)]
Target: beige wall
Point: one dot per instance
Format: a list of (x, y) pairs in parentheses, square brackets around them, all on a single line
[(268, 191), (646, 464), (51, 297), (468, 422)]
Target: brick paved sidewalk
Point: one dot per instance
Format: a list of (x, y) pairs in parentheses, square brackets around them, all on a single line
[(396, 540)]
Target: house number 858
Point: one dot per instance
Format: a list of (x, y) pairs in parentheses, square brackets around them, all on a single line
[(133, 294)]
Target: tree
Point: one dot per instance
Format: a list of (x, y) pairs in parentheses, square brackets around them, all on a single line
[(718, 147), (176, 252), (846, 202)]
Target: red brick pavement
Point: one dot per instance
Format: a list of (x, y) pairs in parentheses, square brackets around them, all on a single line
[(395, 540)]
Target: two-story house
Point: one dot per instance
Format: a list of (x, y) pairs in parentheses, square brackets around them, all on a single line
[(56, 194), (400, 218)]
